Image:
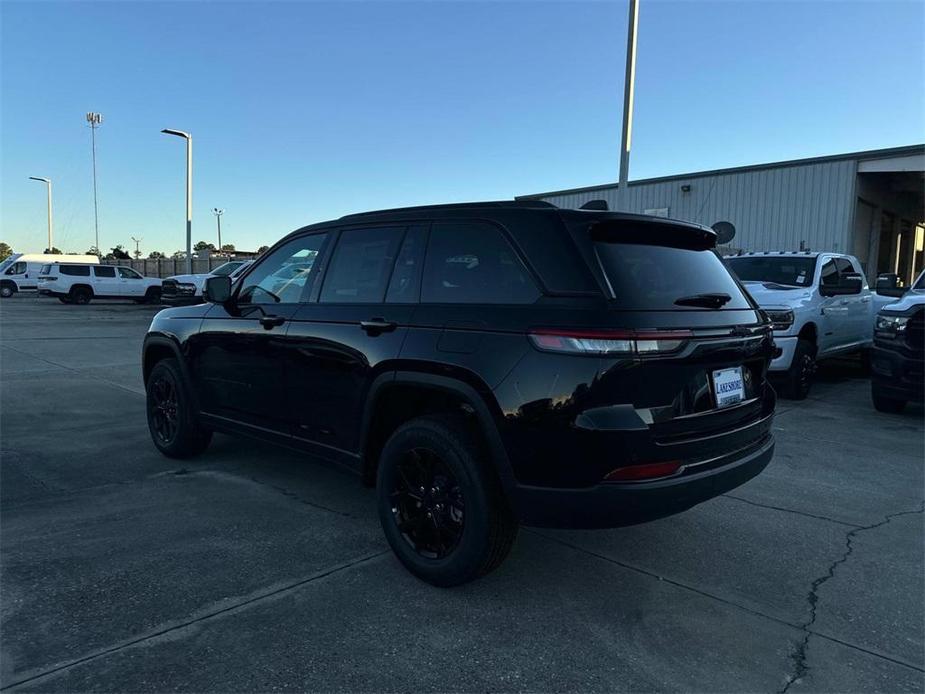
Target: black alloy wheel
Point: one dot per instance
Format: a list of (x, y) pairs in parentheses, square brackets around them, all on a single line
[(428, 504), (163, 408)]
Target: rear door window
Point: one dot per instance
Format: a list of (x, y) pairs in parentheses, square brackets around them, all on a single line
[(654, 277), (472, 263), (361, 265), (75, 270)]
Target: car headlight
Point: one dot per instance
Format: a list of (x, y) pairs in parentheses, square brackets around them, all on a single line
[(891, 325), (781, 318)]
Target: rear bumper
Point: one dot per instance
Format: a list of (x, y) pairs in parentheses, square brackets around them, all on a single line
[(897, 375), (610, 505)]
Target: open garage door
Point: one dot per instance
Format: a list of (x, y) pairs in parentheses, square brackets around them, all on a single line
[(889, 229)]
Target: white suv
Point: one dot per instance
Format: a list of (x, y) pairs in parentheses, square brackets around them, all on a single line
[(78, 283)]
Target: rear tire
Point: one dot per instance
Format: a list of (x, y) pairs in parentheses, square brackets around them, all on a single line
[(80, 295), (801, 371), (172, 419), (460, 526), (885, 404)]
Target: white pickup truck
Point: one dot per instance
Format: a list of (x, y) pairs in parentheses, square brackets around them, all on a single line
[(820, 306)]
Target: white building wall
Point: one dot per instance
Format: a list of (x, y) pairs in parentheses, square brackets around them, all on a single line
[(772, 208)]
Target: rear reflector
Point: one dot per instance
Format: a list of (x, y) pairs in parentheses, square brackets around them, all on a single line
[(638, 473), (609, 341)]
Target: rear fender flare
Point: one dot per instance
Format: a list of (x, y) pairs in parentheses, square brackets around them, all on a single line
[(467, 394)]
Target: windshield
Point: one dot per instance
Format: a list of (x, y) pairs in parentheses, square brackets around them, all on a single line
[(662, 277), (226, 269), (920, 282), (794, 271), (5, 264)]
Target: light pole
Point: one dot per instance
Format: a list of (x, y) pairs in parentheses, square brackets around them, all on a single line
[(47, 182), (95, 120), (137, 252), (218, 220), (189, 194), (629, 87)]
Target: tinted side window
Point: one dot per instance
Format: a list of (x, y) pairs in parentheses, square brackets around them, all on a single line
[(75, 270), (128, 273), (844, 267), (361, 265), (17, 269), (472, 263), (285, 275), (102, 271), (829, 274), (405, 286)]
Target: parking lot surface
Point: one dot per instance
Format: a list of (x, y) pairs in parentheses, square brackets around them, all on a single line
[(253, 568)]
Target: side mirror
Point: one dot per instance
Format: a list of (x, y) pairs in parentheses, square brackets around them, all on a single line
[(217, 289), (887, 286), (848, 285)]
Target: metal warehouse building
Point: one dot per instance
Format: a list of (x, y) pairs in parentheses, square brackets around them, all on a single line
[(870, 204)]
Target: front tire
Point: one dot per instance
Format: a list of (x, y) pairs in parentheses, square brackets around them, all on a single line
[(441, 505), (885, 404), (172, 419), (801, 372), (152, 296), (7, 290)]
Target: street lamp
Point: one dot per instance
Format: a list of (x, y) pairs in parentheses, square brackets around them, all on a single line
[(629, 88), (47, 182), (218, 220), (189, 194), (95, 120)]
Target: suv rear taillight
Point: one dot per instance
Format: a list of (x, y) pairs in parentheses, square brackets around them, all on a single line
[(636, 342)]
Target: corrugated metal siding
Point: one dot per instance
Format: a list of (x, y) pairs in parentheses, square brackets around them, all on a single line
[(772, 209)]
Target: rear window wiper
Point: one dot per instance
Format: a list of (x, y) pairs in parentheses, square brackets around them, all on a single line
[(704, 300)]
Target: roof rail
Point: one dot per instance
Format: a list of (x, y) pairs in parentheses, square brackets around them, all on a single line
[(508, 204)]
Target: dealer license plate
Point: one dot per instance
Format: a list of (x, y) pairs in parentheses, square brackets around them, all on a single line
[(728, 386)]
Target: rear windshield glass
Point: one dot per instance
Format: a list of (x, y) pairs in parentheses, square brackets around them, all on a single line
[(794, 271), (645, 277)]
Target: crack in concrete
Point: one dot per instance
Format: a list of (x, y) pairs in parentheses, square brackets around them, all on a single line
[(799, 656)]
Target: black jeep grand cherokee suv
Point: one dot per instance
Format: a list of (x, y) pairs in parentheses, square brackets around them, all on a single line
[(483, 365)]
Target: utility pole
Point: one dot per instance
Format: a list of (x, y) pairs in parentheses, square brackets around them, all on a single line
[(189, 194), (218, 220), (95, 120), (47, 182), (629, 87), (137, 252)]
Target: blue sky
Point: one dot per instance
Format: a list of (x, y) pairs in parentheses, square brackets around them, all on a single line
[(303, 111)]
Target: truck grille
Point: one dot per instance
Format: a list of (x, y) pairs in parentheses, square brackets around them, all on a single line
[(915, 330)]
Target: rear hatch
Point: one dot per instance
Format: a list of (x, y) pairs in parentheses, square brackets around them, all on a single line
[(680, 339)]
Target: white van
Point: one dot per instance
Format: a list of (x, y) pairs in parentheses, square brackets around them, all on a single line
[(20, 271)]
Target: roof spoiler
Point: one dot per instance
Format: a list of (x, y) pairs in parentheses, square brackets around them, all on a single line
[(600, 205)]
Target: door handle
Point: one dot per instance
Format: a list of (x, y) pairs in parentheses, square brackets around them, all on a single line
[(270, 322), (374, 326)]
